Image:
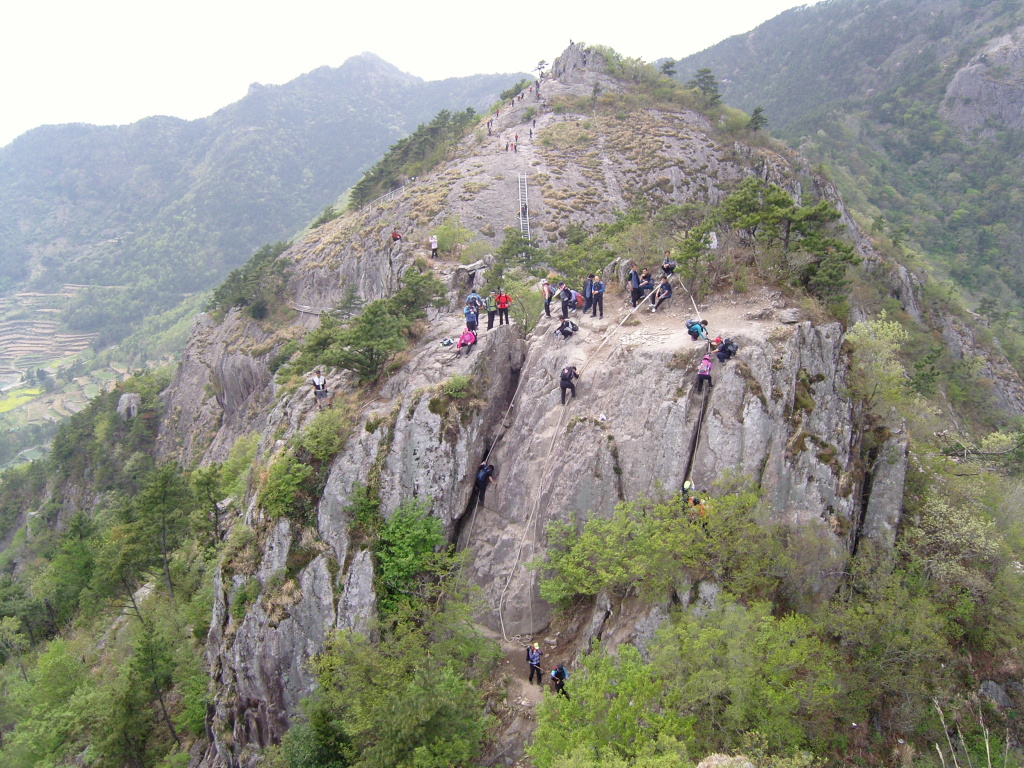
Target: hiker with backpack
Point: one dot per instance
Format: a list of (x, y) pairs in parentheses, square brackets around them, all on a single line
[(565, 294), (726, 350), (558, 677), (588, 293), (698, 329), (504, 302), (567, 381), (566, 329), (491, 303), (704, 374), (470, 312), (533, 655), (467, 340), (663, 293), (484, 477), (476, 300)]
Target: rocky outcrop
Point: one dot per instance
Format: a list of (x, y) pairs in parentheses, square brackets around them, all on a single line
[(986, 94), (779, 413)]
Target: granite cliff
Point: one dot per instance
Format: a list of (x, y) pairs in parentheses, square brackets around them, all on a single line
[(780, 412)]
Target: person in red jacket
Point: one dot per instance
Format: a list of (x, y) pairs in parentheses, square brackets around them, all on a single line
[(504, 302)]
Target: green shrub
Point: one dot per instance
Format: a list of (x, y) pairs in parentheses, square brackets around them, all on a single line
[(405, 550), (256, 285), (243, 596), (284, 494)]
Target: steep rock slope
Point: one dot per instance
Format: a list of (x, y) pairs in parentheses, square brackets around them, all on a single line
[(779, 412)]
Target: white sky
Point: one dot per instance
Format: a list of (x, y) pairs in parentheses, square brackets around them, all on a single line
[(117, 61)]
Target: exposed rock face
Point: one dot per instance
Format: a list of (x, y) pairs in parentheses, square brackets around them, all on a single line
[(987, 93), (778, 413), (996, 371), (128, 406)]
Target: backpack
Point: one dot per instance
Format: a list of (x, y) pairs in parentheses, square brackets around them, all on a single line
[(482, 475), (729, 346), (566, 294), (580, 301), (690, 323), (705, 366), (573, 327)]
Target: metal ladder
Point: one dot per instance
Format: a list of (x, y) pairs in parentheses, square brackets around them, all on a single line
[(524, 209)]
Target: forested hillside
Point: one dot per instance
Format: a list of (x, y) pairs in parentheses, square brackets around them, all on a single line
[(910, 104), (143, 215), (813, 560)]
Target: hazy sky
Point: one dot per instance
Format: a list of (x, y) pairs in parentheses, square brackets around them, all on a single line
[(117, 61)]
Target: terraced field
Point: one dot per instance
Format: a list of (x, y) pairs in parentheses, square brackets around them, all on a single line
[(29, 330)]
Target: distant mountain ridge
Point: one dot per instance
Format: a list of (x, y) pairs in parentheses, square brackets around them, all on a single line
[(168, 206), (914, 106)]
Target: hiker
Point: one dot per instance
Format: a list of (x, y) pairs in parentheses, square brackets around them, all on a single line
[(546, 293), (565, 294), (319, 388), (471, 316), (726, 350), (467, 340), (558, 677), (533, 655), (704, 374), (663, 293), (565, 381), (698, 329), (395, 237), (646, 282), (588, 293), (598, 301), (433, 246), (491, 303), (504, 302), (633, 280), (667, 265), (484, 478), (566, 329)]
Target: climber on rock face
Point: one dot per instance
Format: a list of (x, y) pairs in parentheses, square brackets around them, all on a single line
[(704, 374), (698, 329), (567, 379), (484, 477), (726, 350)]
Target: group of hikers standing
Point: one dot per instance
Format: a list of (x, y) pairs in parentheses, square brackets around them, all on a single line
[(558, 675), (495, 304)]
